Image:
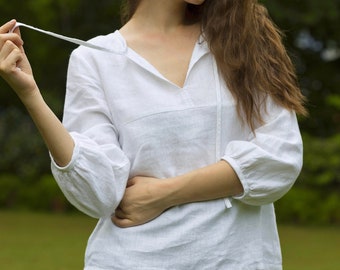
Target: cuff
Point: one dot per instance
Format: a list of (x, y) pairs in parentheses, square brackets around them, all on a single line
[(240, 175), (70, 165)]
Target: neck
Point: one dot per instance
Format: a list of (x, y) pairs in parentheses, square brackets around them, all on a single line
[(161, 15)]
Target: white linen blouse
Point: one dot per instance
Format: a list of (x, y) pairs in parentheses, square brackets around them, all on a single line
[(127, 119)]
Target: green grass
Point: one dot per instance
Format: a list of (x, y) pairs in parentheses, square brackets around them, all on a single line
[(43, 241), (57, 242), (310, 248)]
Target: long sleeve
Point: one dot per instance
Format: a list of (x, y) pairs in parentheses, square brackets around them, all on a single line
[(95, 179), (269, 162)]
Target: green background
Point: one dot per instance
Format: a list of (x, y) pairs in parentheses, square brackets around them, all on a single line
[(312, 29)]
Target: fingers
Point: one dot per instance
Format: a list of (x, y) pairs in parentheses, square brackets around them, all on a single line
[(136, 179), (11, 48), (14, 37), (17, 31), (119, 213), (7, 27), (131, 182), (10, 55), (122, 223), (119, 219)]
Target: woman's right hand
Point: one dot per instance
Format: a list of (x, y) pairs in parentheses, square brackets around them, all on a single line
[(15, 68)]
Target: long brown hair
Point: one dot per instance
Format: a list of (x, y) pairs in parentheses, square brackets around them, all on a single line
[(249, 53), (128, 8)]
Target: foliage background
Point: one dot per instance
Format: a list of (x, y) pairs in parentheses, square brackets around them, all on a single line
[(312, 38)]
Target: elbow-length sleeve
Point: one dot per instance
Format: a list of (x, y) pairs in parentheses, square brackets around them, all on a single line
[(95, 179), (269, 162)]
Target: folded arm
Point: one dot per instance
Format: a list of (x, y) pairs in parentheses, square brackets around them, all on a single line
[(256, 171), (146, 198)]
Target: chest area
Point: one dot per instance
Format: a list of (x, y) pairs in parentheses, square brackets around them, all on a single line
[(169, 58), (134, 91)]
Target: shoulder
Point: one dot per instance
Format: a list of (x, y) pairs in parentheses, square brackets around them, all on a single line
[(109, 45), (93, 63)]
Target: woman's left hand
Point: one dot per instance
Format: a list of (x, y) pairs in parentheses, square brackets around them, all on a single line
[(144, 200)]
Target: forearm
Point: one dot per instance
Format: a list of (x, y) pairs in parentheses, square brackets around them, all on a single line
[(16, 70), (146, 198), (212, 182), (56, 137)]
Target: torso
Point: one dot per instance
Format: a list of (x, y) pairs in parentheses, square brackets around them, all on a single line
[(164, 133)]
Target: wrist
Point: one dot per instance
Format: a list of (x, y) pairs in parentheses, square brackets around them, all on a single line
[(173, 190)]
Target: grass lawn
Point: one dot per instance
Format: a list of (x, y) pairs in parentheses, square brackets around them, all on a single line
[(43, 241), (310, 248), (57, 242)]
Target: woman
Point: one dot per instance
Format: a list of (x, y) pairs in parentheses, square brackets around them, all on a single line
[(180, 143)]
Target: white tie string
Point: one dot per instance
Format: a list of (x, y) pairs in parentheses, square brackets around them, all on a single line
[(69, 39)]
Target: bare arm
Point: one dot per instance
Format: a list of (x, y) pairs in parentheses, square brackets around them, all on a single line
[(212, 182), (16, 70), (56, 137), (146, 198)]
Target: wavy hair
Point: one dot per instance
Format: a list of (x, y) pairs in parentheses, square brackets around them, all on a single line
[(249, 53)]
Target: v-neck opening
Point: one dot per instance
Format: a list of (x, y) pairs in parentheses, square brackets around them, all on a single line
[(144, 63)]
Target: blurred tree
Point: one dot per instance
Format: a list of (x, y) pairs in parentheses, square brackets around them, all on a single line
[(312, 38), (49, 58), (311, 27)]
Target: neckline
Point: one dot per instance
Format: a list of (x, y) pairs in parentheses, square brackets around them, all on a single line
[(200, 48)]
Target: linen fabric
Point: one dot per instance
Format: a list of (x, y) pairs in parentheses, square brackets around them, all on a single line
[(127, 119)]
